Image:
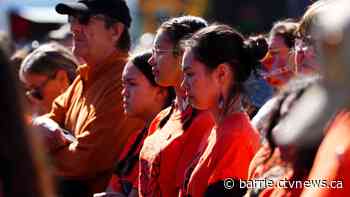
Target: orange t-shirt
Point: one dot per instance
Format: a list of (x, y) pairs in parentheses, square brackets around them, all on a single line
[(167, 151), (231, 146), (91, 110), (333, 160), (130, 178)]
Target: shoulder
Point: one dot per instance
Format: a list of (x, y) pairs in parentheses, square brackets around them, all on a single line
[(155, 122)]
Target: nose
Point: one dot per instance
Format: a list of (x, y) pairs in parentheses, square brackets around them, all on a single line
[(152, 60), (75, 27), (184, 83), (124, 92)]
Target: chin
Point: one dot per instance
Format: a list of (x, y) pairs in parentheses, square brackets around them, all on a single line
[(163, 83)]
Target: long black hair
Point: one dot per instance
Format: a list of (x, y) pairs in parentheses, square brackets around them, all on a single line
[(219, 44), (177, 29)]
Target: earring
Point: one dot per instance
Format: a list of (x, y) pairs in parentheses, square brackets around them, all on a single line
[(221, 102)]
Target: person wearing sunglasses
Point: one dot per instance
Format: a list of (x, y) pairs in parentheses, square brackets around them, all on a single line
[(91, 109), (46, 73)]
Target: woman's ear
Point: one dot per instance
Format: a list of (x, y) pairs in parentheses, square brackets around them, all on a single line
[(222, 73), (118, 29)]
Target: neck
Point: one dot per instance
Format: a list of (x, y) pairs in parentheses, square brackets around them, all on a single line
[(180, 98), (148, 118), (220, 114), (97, 60)]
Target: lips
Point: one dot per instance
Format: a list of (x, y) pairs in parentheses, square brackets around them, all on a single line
[(125, 102)]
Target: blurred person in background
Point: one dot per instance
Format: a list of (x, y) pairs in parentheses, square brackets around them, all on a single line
[(290, 145), (7, 44), (23, 170), (138, 82), (278, 64), (217, 62), (86, 129), (333, 157), (306, 53), (46, 73), (274, 162)]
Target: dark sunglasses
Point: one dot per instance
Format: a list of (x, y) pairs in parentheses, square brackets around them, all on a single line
[(37, 92), (83, 19)]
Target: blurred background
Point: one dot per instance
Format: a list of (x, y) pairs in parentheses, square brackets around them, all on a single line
[(29, 20)]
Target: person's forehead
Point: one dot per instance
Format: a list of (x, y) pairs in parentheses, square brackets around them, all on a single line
[(277, 42), (188, 59), (162, 39), (31, 79), (130, 71)]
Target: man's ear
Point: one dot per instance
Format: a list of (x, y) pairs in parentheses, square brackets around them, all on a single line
[(118, 29)]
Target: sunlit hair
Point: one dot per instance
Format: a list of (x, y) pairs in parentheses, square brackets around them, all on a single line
[(287, 29)]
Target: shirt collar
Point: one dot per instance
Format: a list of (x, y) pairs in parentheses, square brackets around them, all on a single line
[(86, 71)]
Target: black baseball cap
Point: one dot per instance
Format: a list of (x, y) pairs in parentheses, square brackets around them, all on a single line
[(116, 9)]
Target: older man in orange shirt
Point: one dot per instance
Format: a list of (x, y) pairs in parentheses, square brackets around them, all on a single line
[(86, 129)]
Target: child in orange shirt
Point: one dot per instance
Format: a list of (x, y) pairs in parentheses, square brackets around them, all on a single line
[(138, 82)]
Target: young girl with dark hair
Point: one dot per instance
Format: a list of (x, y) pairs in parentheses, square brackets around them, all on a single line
[(142, 99), (216, 63)]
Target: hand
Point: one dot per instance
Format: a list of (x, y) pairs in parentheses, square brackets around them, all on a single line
[(54, 136)]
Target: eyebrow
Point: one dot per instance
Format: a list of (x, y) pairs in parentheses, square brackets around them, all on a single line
[(128, 79)]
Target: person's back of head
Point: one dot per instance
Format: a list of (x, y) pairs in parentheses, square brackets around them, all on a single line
[(23, 172)]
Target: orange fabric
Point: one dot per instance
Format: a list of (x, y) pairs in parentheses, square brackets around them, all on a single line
[(276, 169), (91, 109), (333, 159), (133, 175), (167, 151), (231, 146)]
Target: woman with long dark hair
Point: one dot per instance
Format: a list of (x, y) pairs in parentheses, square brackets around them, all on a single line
[(216, 63), (175, 133)]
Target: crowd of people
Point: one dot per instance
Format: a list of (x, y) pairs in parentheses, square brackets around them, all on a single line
[(204, 111)]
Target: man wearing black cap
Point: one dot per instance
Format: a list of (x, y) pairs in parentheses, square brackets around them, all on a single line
[(91, 129)]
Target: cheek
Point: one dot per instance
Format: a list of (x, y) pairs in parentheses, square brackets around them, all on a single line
[(135, 93), (51, 91), (168, 66), (200, 90)]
